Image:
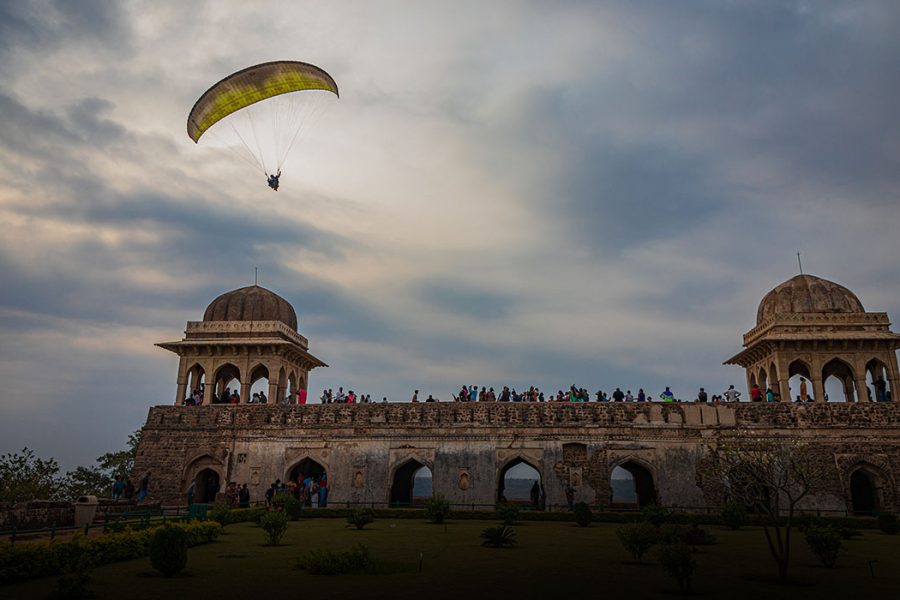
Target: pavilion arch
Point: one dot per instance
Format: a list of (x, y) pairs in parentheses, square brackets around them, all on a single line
[(307, 466), (843, 372), (865, 488), (207, 473), (763, 379), (403, 480), (292, 385), (196, 378), (643, 475), (876, 368), (259, 380), (797, 369), (501, 480), (224, 375)]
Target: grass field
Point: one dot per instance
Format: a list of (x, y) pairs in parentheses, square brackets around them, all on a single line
[(552, 561)]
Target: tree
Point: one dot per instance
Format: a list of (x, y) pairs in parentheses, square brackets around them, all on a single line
[(26, 477), (771, 477), (97, 480)]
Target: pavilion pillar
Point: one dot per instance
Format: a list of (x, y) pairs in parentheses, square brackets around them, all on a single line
[(784, 386), (273, 390), (245, 390), (181, 392), (818, 389)]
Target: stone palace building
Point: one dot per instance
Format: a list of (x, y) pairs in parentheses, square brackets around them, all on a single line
[(806, 327)]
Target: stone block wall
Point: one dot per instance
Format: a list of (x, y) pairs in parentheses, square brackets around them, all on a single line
[(468, 445)]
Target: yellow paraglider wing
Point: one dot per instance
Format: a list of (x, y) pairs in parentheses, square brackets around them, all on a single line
[(251, 85)]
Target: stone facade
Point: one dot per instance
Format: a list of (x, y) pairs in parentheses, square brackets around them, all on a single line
[(468, 446)]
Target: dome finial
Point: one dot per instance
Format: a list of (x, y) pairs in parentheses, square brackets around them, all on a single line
[(800, 263)]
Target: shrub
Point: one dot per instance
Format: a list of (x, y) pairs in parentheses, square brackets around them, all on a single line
[(656, 515), (583, 514), (805, 522), (887, 523), (220, 513), (290, 505), (825, 543), (73, 583), (508, 513), (501, 536), (437, 509), (637, 538), (330, 562), (670, 534), (168, 550), (677, 562), (274, 523), (697, 536), (848, 533), (360, 518), (43, 559), (734, 515)]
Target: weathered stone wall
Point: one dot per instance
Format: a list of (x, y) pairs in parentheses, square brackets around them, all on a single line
[(38, 514), (468, 445)]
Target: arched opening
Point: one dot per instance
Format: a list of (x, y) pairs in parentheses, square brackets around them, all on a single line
[(227, 379), (520, 483), (878, 381), (292, 388), (195, 384), (839, 381), (763, 381), (863, 498), (310, 482), (259, 385), (799, 380), (632, 486), (206, 486), (412, 484)]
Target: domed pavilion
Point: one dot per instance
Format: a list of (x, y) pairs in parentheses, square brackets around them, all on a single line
[(814, 328), (246, 335)]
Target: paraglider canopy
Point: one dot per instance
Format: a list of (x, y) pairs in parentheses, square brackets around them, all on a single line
[(251, 85)]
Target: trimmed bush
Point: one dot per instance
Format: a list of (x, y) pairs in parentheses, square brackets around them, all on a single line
[(330, 562), (360, 518), (887, 523), (226, 516), (656, 515), (220, 513), (825, 543), (275, 524), (168, 550), (678, 563), (697, 536), (437, 509), (734, 515), (290, 505), (583, 514), (637, 538), (508, 513), (45, 559), (501, 536)]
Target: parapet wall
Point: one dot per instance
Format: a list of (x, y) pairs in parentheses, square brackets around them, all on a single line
[(469, 446)]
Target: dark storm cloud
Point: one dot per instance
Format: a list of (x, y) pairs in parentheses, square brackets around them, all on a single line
[(42, 25)]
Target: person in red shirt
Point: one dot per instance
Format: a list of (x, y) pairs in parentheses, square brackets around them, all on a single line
[(301, 396), (756, 394)]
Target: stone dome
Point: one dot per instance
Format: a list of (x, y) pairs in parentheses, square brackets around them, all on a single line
[(251, 303), (808, 294)]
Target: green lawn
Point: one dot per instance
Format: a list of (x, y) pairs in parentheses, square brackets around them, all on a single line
[(552, 560)]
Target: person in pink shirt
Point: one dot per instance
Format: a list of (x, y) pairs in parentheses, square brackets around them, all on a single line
[(301, 396)]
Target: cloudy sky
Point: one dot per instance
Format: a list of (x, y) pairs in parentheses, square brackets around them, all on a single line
[(523, 193)]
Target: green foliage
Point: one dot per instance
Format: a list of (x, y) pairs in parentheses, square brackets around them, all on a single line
[(26, 477), (583, 514), (697, 536), (44, 559), (678, 563), (887, 523), (501, 536), (331, 562), (734, 515), (168, 550), (656, 515), (437, 509), (360, 518), (220, 513), (849, 533), (825, 543), (508, 513), (637, 538), (73, 583), (292, 507), (275, 524)]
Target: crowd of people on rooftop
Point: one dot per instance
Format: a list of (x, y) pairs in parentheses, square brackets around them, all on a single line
[(472, 393)]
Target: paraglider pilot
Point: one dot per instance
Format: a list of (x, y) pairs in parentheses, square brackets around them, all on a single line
[(273, 180)]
